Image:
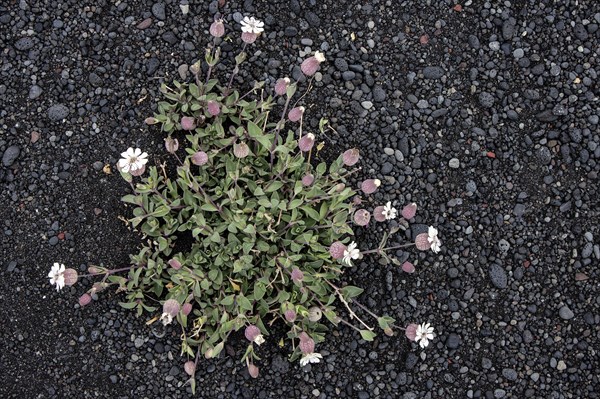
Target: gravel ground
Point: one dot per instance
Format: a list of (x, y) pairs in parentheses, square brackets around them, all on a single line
[(485, 113)]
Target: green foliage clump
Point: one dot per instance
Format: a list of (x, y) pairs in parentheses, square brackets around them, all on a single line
[(240, 237)]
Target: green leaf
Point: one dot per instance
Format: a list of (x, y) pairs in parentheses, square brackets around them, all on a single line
[(295, 203), (351, 291), (244, 302), (228, 300), (367, 335), (128, 305), (310, 212), (209, 207), (384, 322), (259, 290)]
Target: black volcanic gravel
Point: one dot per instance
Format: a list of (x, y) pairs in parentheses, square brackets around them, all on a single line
[(484, 113)]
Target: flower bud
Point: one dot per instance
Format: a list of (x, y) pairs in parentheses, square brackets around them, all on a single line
[(150, 121), (378, 214), (70, 276), (98, 287), (337, 250), (310, 65), (188, 123), (190, 368), (307, 180), (290, 315), (297, 275), (241, 150), (249, 37), (94, 270), (409, 211), (422, 242), (306, 142), (296, 113), (217, 29), (340, 187), (388, 331), (85, 299), (252, 333), (350, 157), (175, 264), (408, 267), (195, 68), (281, 86), (411, 331), (369, 186), (253, 370), (213, 108), (200, 158), (314, 314), (362, 217), (307, 344), (171, 145), (186, 309), (171, 307)]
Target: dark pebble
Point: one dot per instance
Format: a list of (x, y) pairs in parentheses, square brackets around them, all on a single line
[(24, 44), (453, 341)]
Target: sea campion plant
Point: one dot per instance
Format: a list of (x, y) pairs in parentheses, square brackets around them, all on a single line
[(244, 228)]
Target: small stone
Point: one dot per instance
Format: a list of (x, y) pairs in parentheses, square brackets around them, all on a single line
[(158, 10), (453, 341), (24, 44), (561, 365), (10, 155), (565, 313), (433, 72), (58, 112), (34, 92), (367, 104), (503, 245), (454, 163), (486, 100), (498, 276), (144, 24)]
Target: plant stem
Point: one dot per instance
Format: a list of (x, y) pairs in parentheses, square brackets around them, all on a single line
[(379, 250)]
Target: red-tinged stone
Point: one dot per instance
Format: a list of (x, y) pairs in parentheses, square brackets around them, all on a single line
[(144, 24), (35, 136), (457, 8), (490, 154), (424, 39), (61, 236), (581, 277), (526, 263)]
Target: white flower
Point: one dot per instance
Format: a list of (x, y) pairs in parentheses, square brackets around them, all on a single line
[(424, 334), (57, 276), (251, 25), (132, 160), (259, 339), (351, 253), (310, 358), (433, 239), (166, 318), (319, 56), (389, 212)]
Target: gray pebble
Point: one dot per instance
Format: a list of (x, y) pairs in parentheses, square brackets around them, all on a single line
[(379, 94), (158, 10), (433, 72), (486, 99), (587, 250), (24, 44), (367, 104), (10, 155), (453, 341), (454, 163), (565, 313), (58, 112), (503, 245), (498, 276), (34, 92)]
